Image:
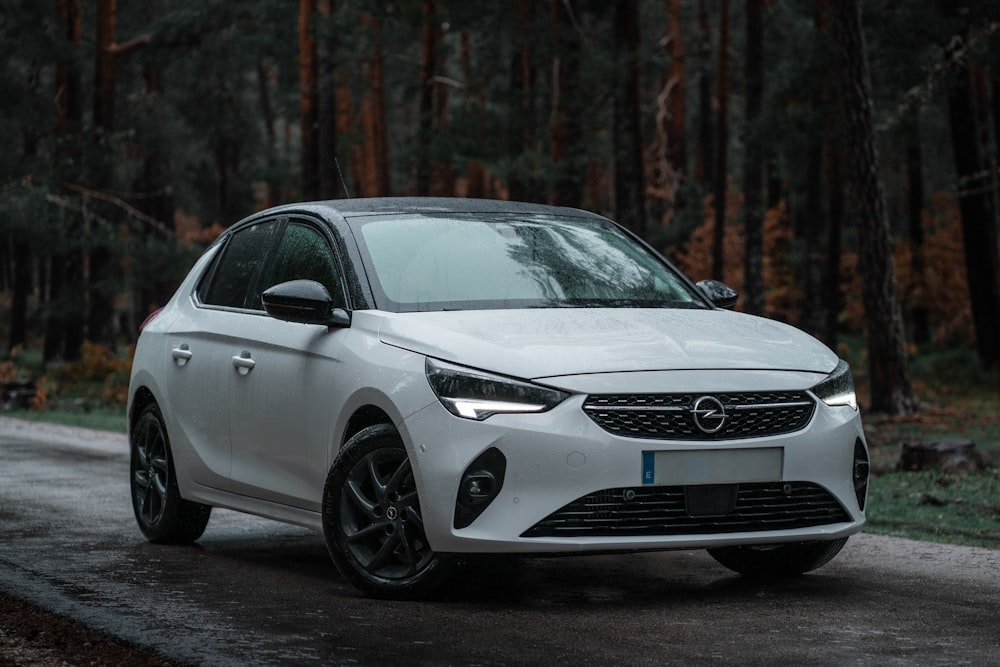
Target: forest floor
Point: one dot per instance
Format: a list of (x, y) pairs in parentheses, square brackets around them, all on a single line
[(35, 638)]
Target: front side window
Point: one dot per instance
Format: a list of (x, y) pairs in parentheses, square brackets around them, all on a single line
[(302, 254), (229, 280), (426, 262)]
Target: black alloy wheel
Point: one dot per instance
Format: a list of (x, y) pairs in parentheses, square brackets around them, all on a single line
[(372, 520), (163, 516)]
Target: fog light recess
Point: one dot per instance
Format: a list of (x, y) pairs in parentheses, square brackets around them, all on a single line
[(861, 471), (480, 485)]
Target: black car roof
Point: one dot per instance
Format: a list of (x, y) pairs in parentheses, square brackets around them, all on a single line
[(350, 208)]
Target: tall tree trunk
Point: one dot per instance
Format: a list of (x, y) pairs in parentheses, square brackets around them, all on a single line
[(753, 163), (308, 101), (835, 222), (676, 137), (264, 76), (69, 90), (720, 169), (63, 325), (21, 285), (810, 229), (522, 178), (428, 70), (328, 177), (104, 98), (629, 182), (703, 169), (566, 130), (978, 227), (381, 146), (475, 95), (100, 286), (891, 391), (915, 209)]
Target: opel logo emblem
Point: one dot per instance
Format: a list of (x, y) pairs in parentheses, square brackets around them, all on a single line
[(709, 414)]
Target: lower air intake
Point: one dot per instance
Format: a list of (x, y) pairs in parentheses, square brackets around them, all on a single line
[(664, 511)]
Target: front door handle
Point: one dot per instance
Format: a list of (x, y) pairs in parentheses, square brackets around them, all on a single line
[(181, 354), (243, 363)]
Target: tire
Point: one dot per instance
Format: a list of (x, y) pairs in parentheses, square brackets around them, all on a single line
[(163, 516), (372, 520), (780, 560)]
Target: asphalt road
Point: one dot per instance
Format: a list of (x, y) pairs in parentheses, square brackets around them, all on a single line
[(258, 592)]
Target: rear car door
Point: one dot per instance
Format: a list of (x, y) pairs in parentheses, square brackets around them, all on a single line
[(200, 348)]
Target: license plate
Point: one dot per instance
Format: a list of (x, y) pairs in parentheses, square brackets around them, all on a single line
[(712, 466)]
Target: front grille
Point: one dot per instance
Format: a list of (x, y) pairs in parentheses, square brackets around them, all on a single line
[(662, 511), (672, 416)]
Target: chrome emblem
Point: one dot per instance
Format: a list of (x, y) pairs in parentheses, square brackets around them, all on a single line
[(709, 414)]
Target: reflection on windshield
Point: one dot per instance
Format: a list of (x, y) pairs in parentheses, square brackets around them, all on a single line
[(507, 261)]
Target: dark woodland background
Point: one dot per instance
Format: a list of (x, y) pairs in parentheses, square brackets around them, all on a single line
[(836, 160)]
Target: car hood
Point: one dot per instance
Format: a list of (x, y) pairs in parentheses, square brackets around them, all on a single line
[(540, 343)]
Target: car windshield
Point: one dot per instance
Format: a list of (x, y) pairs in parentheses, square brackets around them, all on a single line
[(475, 262)]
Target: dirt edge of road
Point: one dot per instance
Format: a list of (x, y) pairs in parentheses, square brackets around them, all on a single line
[(29, 636)]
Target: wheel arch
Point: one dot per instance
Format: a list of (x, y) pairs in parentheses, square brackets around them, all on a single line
[(363, 417), (141, 399)]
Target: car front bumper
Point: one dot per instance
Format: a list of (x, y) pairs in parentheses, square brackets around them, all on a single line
[(560, 461)]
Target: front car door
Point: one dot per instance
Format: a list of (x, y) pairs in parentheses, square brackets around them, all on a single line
[(284, 385)]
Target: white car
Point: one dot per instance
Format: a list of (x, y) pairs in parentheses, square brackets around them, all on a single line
[(424, 378)]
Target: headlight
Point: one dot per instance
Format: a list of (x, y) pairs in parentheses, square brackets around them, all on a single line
[(838, 387), (477, 395)]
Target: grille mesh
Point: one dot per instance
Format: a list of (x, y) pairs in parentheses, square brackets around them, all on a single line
[(662, 511), (670, 416)]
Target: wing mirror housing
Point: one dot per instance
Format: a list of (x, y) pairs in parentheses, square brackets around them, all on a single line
[(305, 302), (719, 293)]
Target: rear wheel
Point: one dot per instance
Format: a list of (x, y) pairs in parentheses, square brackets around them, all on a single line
[(372, 520), (163, 516), (778, 559)]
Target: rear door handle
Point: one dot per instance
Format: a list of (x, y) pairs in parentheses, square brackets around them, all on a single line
[(181, 354), (243, 363)]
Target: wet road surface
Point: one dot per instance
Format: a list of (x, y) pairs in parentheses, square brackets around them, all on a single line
[(253, 591)]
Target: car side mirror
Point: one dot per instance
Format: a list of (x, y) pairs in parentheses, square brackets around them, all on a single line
[(304, 301), (719, 293)]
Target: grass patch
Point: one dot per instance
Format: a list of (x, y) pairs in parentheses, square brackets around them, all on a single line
[(101, 420), (948, 508)]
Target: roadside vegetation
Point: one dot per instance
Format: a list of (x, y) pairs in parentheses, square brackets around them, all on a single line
[(959, 401)]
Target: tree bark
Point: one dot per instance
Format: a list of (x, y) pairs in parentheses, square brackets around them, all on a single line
[(328, 177), (720, 169), (753, 163), (833, 298), (101, 279), (979, 234), (703, 169), (891, 391), (308, 101), (915, 208), (565, 127), (522, 178), (629, 181), (676, 137), (69, 90), (428, 70), (104, 98)]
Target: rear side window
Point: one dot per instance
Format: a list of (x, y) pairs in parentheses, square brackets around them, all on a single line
[(232, 276)]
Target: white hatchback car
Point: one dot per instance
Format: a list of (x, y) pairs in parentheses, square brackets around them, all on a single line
[(424, 378)]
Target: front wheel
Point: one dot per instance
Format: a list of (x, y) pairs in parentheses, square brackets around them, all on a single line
[(778, 559), (163, 516), (372, 521)]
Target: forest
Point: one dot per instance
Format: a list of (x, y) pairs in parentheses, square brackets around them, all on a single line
[(835, 161)]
